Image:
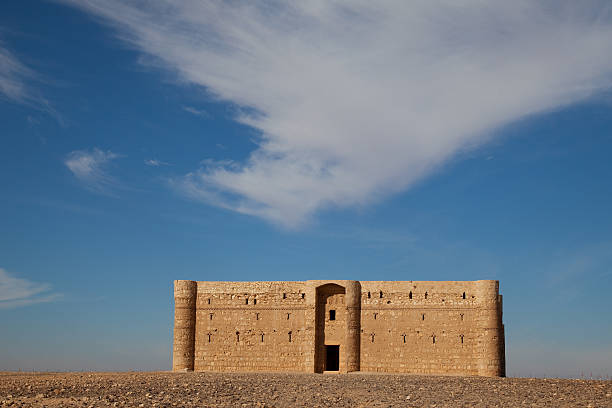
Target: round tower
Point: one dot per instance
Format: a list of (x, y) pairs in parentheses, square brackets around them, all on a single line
[(353, 325), (490, 353), (185, 295)]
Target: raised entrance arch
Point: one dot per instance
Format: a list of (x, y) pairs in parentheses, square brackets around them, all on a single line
[(337, 326)]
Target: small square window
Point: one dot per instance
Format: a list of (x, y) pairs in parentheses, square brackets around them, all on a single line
[(332, 315)]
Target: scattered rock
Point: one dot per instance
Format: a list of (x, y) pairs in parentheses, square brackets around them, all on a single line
[(166, 389)]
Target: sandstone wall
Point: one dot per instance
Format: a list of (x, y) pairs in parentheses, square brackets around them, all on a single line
[(252, 326), (432, 327), (404, 327)]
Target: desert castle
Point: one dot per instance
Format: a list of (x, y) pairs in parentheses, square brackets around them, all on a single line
[(315, 326)]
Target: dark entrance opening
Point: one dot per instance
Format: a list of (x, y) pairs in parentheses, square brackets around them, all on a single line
[(332, 358)]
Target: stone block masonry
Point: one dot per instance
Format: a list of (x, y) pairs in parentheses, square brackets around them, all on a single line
[(420, 327)]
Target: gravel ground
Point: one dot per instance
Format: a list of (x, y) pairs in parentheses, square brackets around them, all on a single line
[(166, 389)]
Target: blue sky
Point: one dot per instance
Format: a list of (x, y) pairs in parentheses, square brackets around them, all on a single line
[(142, 145)]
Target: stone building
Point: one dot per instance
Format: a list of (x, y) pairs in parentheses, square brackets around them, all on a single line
[(419, 327)]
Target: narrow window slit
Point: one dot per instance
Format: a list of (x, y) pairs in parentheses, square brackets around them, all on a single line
[(332, 315), (289, 337)]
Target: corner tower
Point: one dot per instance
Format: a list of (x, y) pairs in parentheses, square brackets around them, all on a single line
[(183, 352), (491, 353)]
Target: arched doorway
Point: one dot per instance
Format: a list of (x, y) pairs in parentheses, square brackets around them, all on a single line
[(337, 327)]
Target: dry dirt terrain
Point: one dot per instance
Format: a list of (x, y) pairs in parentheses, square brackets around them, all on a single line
[(166, 389)]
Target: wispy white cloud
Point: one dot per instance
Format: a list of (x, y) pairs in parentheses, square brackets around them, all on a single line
[(13, 77), (15, 84), (357, 100), (90, 168), (155, 163), (15, 292), (195, 111)]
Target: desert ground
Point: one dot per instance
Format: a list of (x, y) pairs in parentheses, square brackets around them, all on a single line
[(167, 389)]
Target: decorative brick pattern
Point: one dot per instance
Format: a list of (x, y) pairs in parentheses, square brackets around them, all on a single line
[(416, 327)]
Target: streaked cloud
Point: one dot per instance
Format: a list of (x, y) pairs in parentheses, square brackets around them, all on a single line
[(13, 77), (16, 81), (197, 112), (15, 292), (358, 100), (91, 169), (155, 163)]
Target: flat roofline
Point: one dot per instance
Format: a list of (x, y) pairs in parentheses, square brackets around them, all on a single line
[(344, 280)]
